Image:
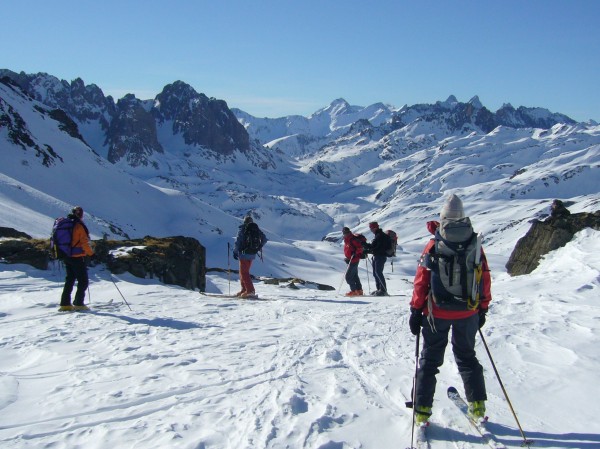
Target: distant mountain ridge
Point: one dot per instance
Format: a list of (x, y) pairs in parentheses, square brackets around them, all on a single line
[(130, 128), (302, 177), (456, 117)]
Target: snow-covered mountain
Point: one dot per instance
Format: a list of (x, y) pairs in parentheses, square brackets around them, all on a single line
[(305, 369), (343, 165)]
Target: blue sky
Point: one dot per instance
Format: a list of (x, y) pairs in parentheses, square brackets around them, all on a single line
[(277, 57)]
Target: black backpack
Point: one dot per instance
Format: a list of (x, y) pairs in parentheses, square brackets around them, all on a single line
[(253, 239), (391, 251), (456, 268)]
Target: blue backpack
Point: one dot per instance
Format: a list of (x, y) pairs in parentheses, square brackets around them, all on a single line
[(62, 238)]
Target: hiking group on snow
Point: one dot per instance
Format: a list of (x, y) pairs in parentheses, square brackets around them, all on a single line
[(452, 289)]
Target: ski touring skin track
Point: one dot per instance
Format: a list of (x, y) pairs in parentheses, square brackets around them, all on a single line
[(486, 436), (224, 296)]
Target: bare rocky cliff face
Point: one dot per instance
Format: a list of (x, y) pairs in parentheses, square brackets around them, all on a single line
[(128, 129), (201, 121)]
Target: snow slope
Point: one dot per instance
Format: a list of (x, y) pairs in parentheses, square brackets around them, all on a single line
[(304, 368), (300, 369)]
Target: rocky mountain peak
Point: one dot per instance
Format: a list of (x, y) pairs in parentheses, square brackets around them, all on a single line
[(202, 121)]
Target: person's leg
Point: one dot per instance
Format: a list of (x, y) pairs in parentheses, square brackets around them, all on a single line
[(240, 271), (247, 284), (352, 276), (65, 299), (81, 274), (463, 346), (378, 264), (432, 357)]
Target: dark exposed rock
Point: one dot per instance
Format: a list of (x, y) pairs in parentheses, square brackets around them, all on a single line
[(25, 251), (202, 121), (129, 127), (66, 124), (13, 233), (545, 236), (173, 260), (132, 134)]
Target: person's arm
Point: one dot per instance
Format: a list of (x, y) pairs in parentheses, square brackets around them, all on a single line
[(81, 240), (422, 281)]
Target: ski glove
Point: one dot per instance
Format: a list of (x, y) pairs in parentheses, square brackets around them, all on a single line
[(482, 313), (235, 256), (415, 321)]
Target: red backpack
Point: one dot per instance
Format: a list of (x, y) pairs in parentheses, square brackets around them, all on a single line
[(363, 242)]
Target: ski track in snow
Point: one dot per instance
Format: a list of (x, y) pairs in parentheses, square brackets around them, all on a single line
[(303, 369)]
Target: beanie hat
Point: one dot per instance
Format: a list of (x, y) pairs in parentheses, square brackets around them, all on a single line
[(248, 219), (452, 209), (373, 226), (345, 230), (77, 211)]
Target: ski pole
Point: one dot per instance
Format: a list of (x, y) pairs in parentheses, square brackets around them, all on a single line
[(368, 280), (414, 391), (526, 442), (115, 284), (229, 267), (345, 273)]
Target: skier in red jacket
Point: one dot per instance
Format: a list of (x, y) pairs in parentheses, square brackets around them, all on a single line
[(353, 251), (434, 318)]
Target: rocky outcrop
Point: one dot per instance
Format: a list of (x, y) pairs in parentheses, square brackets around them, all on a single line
[(545, 236), (173, 260), (17, 250), (13, 233)]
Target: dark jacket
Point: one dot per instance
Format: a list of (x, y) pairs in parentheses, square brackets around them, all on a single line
[(380, 243), (241, 237)]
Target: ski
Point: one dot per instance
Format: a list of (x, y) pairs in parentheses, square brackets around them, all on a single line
[(487, 437), (419, 436), (219, 295), (421, 439), (224, 296)]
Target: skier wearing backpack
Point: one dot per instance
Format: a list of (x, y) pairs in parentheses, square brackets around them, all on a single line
[(379, 247), (353, 251), (447, 304), (249, 241), (75, 264)]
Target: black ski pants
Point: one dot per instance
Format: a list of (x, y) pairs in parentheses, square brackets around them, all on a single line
[(378, 264), (463, 347), (76, 270), (352, 277)]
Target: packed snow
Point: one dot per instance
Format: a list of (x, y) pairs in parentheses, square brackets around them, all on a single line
[(156, 366)]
